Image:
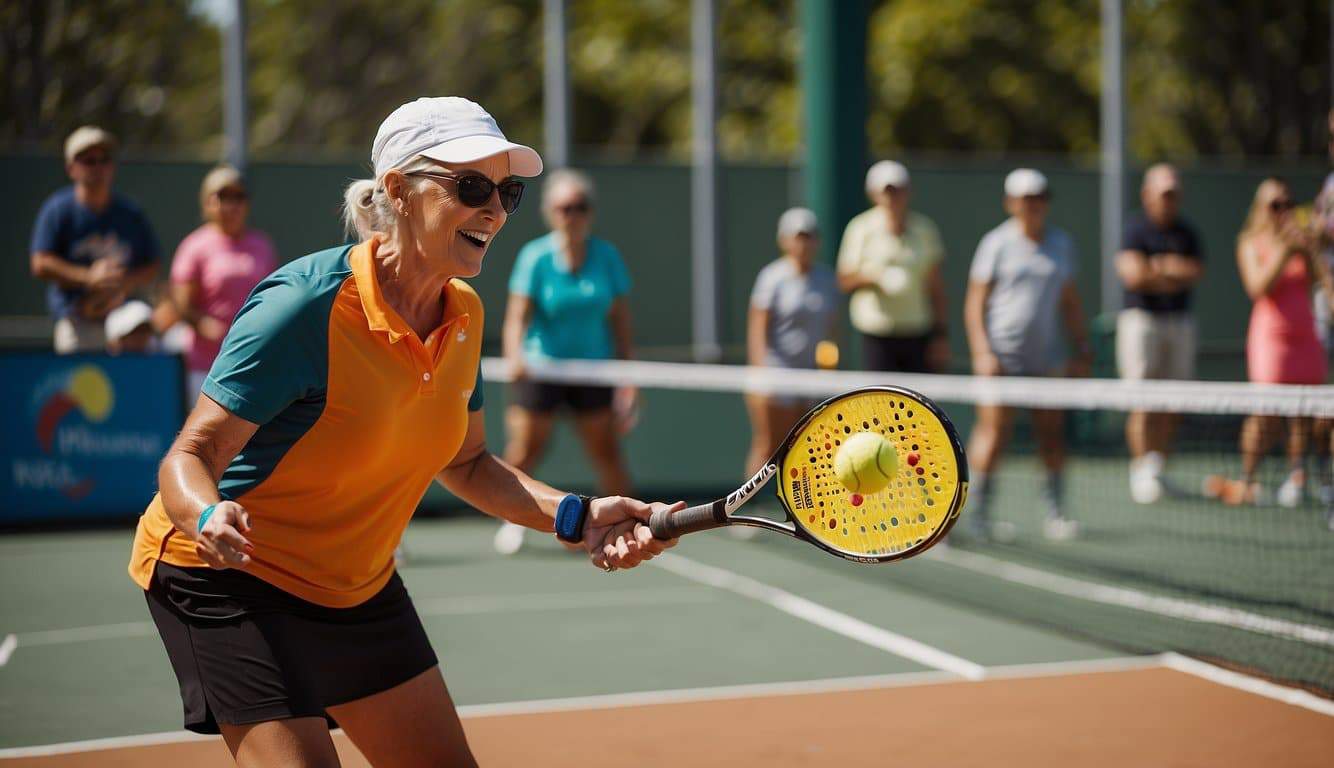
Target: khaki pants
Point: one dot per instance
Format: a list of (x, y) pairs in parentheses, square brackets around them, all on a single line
[(1155, 346), (76, 335)]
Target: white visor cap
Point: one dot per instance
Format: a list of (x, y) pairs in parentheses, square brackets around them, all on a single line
[(1025, 182), (797, 221), (448, 129), (126, 319), (886, 173)]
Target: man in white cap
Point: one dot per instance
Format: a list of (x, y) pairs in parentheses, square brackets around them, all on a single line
[(1022, 312), (1159, 264), (129, 329), (92, 247), (889, 260)]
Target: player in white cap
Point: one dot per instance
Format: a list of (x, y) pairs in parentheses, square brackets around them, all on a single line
[(1024, 318), (889, 261)]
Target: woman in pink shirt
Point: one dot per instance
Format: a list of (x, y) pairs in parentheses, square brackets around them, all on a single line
[(1274, 256), (216, 267)]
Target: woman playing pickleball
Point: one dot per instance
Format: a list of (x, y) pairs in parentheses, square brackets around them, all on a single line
[(347, 383)]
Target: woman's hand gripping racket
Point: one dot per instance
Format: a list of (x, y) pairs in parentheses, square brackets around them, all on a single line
[(904, 479)]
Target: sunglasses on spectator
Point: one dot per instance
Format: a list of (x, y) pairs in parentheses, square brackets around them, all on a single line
[(233, 196), (474, 189), (578, 206), (1278, 206), (93, 160)]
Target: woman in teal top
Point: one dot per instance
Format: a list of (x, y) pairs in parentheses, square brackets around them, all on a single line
[(567, 300)]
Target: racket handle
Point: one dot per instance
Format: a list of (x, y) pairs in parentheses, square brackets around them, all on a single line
[(669, 525)]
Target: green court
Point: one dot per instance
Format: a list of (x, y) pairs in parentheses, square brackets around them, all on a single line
[(83, 662)]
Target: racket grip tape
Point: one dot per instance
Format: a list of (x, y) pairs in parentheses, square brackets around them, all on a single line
[(669, 525)]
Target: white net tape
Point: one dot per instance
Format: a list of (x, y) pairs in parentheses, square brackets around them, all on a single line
[(1203, 397)]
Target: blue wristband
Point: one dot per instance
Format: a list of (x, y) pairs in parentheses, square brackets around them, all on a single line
[(204, 516), (570, 516)]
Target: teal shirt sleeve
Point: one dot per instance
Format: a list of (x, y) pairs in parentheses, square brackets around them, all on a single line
[(476, 401), (523, 280), (277, 350)]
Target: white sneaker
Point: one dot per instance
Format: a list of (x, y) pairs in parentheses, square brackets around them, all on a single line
[(1004, 532), (1292, 490), (1145, 487), (1060, 528), (509, 539), (1326, 495)]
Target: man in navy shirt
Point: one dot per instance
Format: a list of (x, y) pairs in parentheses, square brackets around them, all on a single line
[(1159, 263), (93, 248)]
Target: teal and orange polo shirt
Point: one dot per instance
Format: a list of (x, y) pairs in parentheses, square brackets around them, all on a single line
[(356, 416)]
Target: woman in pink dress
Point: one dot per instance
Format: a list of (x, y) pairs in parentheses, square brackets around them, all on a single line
[(1279, 273), (215, 268)]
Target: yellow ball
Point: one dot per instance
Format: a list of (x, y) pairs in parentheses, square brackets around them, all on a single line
[(865, 463), (826, 354)]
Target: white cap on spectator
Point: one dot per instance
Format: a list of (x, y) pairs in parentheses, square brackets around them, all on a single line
[(1025, 182), (886, 173), (127, 318), (85, 138), (448, 129), (797, 221)]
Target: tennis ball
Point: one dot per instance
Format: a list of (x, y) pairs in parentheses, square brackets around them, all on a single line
[(865, 463)]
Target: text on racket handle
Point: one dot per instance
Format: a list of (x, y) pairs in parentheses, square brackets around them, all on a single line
[(741, 495)]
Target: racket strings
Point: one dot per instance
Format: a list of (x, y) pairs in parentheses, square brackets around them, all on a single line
[(904, 515)]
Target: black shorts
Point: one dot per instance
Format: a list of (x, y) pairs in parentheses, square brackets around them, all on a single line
[(545, 397), (245, 651), (904, 354)]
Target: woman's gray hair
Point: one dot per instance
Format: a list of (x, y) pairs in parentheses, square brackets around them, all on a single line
[(566, 177), (366, 206)]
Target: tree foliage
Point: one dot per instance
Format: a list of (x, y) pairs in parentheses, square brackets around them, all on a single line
[(1246, 77)]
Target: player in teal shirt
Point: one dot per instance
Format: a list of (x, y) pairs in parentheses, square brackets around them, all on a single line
[(568, 300), (570, 307)]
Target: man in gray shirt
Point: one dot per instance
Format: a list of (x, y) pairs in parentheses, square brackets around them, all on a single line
[(1021, 311)]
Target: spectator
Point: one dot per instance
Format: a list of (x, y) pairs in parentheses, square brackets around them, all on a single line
[(793, 307), (91, 246), (1159, 263), (567, 299), (889, 261), (215, 268), (1021, 296), (1279, 270), (129, 329)]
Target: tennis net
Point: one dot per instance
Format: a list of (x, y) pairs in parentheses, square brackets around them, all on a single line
[(1238, 575)]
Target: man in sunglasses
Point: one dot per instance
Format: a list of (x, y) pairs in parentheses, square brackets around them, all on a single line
[(92, 247), (1159, 264)]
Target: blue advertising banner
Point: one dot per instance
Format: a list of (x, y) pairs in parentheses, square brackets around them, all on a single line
[(83, 434)]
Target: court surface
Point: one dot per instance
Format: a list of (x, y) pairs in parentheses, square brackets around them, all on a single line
[(727, 652)]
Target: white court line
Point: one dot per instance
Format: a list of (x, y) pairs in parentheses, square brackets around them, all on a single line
[(802, 687), (1294, 696), (821, 616), (7, 648), (462, 605), (1132, 598), (649, 698)]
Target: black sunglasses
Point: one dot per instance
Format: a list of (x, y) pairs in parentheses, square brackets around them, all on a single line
[(93, 160), (475, 190), (581, 206), (1281, 205), (233, 196)]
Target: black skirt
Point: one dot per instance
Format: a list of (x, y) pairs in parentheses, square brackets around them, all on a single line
[(245, 651)]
